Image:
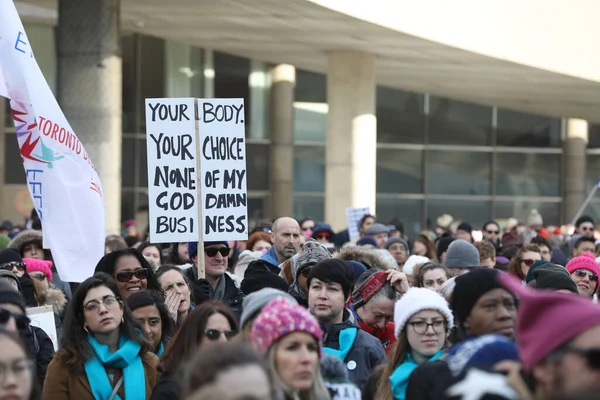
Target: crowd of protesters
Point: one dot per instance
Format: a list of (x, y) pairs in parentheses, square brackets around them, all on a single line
[(299, 311)]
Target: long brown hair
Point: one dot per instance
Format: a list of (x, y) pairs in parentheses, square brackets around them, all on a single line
[(187, 339), (515, 264), (431, 253)]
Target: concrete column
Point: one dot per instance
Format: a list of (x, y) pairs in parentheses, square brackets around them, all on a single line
[(281, 153), (351, 151), (574, 156), (90, 86)]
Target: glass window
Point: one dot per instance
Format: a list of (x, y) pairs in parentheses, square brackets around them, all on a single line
[(457, 122), (257, 159), (458, 172), (232, 80), (475, 212), (129, 68), (527, 130), (309, 207), (408, 211), (399, 171), (183, 70), (152, 73), (127, 205), (142, 160), (520, 209), (260, 85), (594, 136), (593, 210), (128, 156), (256, 210), (593, 171), (41, 38), (521, 174), (13, 166), (400, 117), (310, 107), (309, 168)]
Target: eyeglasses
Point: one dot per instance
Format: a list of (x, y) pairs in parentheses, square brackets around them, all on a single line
[(39, 277), (322, 237), (9, 266), (306, 272), (529, 262), (582, 274), (215, 334), (592, 356), (492, 232), (125, 276), (18, 369), (21, 320), (212, 252), (397, 248), (420, 327), (586, 228), (94, 305)]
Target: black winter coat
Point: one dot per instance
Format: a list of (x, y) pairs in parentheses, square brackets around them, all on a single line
[(40, 349), (233, 295), (366, 353), (167, 388), (429, 381)]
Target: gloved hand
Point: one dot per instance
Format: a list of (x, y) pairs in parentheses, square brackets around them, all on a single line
[(202, 291)]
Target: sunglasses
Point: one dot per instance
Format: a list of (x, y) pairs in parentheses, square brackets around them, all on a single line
[(125, 276), (529, 262), (21, 320), (492, 232), (215, 334), (9, 266), (322, 236), (39, 277), (211, 251), (592, 356), (586, 228), (582, 273)]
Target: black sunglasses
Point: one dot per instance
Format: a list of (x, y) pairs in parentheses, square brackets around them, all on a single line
[(21, 320), (582, 273), (125, 276), (211, 251), (215, 334), (592, 356), (9, 266)]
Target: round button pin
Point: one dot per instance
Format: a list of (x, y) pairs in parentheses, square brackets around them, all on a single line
[(351, 365)]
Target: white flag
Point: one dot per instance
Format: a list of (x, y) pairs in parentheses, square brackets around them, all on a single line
[(61, 178)]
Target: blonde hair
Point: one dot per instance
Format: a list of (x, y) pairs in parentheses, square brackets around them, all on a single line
[(318, 390)]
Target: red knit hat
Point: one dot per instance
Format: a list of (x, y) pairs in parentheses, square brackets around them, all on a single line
[(585, 261), (33, 264), (539, 332)]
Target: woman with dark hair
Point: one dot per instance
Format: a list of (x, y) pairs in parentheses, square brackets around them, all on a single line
[(365, 222), (432, 276), (178, 292), (178, 254), (20, 382), (152, 252), (151, 314), (131, 271), (211, 322), (523, 260), (103, 353), (422, 246)]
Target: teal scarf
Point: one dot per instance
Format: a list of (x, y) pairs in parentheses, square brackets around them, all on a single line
[(399, 377), (160, 350), (127, 358), (346, 341)]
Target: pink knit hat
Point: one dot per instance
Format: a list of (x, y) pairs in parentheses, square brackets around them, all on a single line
[(585, 261), (33, 264), (546, 319), (280, 317)]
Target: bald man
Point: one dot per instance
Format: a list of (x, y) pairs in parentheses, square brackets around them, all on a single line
[(264, 272)]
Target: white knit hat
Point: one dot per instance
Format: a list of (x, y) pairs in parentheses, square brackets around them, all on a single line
[(419, 299), (412, 261)]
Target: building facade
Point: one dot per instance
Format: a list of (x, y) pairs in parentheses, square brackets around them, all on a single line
[(431, 154)]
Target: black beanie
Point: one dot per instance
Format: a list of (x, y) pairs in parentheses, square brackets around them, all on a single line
[(469, 288), (333, 271), (10, 255), (8, 295), (443, 244), (583, 219)]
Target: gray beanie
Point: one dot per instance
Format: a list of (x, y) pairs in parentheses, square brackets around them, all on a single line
[(376, 229), (312, 252), (256, 301), (461, 254), (393, 240)]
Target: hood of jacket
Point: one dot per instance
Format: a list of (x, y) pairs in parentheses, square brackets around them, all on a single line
[(371, 258), (271, 257), (25, 238), (57, 299)]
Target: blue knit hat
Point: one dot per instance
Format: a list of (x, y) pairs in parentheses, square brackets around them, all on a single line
[(481, 351)]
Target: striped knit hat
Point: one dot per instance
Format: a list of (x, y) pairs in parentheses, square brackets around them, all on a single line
[(279, 318)]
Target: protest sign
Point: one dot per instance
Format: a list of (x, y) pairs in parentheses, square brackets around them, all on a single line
[(223, 169), (43, 317), (172, 173), (354, 215), (61, 178)]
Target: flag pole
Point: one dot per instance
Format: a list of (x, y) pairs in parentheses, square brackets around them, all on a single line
[(585, 203)]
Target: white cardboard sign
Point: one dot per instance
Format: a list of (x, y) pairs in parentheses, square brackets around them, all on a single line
[(43, 317), (353, 215), (222, 151), (172, 174)]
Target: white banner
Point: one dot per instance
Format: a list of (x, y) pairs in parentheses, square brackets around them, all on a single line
[(222, 148), (172, 190), (61, 178)]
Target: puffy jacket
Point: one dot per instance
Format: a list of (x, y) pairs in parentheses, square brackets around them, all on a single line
[(366, 353), (40, 349)]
